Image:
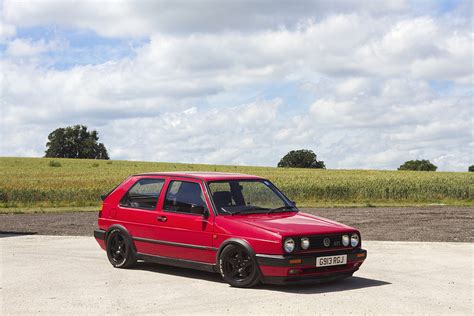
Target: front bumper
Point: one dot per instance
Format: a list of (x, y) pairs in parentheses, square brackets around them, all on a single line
[(279, 269)]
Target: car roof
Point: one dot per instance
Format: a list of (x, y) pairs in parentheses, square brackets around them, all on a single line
[(205, 176)]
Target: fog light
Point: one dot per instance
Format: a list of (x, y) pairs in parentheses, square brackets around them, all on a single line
[(294, 271)]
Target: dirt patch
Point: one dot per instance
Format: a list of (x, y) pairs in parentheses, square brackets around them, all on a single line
[(68, 223), (434, 223)]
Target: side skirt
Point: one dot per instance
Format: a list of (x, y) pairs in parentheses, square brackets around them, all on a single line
[(182, 263)]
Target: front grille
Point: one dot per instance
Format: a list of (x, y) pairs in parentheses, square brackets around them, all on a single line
[(316, 242)]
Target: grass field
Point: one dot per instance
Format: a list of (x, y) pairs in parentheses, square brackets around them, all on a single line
[(32, 184)]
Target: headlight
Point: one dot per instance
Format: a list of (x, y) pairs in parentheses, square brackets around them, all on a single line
[(345, 240), (304, 243), (289, 245), (354, 240)]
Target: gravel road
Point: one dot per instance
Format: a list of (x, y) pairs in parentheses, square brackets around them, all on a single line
[(433, 223)]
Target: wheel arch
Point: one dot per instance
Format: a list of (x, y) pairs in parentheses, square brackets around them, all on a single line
[(235, 241), (124, 231)]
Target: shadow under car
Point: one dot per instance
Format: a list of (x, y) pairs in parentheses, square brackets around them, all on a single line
[(351, 283)]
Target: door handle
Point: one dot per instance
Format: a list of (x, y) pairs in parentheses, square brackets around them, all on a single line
[(162, 218)]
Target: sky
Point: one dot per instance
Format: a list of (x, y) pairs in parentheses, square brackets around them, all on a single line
[(364, 84)]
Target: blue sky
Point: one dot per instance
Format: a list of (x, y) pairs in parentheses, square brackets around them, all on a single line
[(365, 84)]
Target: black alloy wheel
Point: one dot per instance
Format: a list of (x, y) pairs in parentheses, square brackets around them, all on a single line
[(119, 250), (238, 267)]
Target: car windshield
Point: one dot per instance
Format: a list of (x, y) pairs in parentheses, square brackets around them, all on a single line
[(248, 196)]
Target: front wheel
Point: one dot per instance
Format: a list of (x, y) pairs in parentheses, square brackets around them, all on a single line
[(238, 267), (119, 250)]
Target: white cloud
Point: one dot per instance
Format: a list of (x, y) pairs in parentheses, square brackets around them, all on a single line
[(455, 63), (6, 31), (354, 86), (20, 47), (409, 37), (128, 19), (227, 135)]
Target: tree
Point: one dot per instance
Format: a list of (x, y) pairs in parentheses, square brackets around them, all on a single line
[(75, 142), (471, 168), (302, 158), (418, 165)]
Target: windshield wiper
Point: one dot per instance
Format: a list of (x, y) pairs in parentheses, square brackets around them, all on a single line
[(228, 212), (252, 208), (280, 208)]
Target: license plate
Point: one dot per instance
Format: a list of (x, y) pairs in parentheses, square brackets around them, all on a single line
[(331, 261)]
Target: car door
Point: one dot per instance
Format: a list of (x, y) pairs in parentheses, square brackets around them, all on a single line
[(185, 234), (137, 211)]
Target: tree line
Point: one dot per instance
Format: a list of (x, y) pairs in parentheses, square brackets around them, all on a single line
[(77, 142)]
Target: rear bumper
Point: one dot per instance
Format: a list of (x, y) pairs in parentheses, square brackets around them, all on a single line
[(99, 235), (278, 269)]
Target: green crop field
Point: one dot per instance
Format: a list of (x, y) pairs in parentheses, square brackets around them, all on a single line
[(35, 184)]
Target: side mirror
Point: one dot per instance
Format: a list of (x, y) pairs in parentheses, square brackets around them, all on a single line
[(293, 202), (199, 209)]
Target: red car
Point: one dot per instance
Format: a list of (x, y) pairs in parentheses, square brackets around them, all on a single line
[(240, 226)]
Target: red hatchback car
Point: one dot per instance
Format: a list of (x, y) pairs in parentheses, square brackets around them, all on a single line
[(240, 226)]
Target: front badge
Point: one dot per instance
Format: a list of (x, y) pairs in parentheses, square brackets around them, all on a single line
[(326, 242)]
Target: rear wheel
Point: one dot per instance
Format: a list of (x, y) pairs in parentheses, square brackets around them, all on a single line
[(119, 250), (238, 267)]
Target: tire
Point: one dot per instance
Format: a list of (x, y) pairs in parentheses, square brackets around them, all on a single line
[(238, 267), (119, 249)]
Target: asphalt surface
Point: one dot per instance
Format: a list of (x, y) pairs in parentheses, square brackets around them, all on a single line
[(71, 275)]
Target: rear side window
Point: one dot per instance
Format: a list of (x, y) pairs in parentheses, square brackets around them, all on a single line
[(143, 194), (183, 196)]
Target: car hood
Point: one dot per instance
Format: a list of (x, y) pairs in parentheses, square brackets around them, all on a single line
[(293, 224)]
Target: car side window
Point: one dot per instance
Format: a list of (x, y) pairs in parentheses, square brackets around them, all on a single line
[(184, 197), (143, 194)]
